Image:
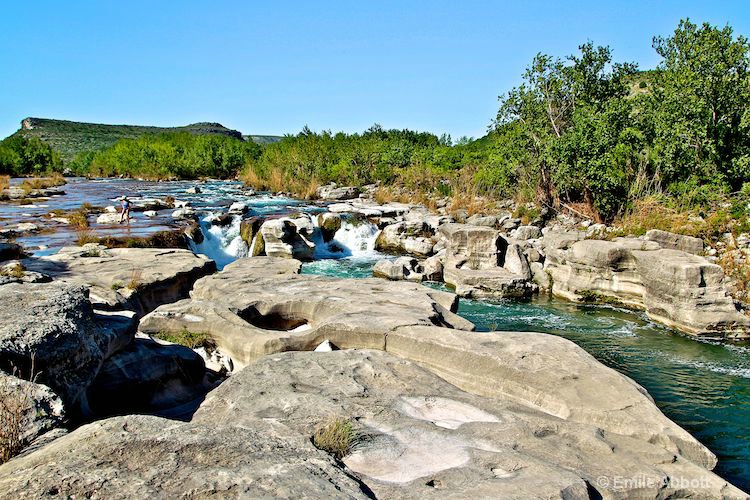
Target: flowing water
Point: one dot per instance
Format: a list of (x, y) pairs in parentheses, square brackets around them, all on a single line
[(704, 386)]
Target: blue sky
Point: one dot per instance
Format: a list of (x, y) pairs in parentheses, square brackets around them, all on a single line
[(272, 67)]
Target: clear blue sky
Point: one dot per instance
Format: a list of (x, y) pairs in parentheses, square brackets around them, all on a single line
[(272, 67)]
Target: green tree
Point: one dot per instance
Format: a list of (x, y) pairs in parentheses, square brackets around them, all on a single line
[(700, 106)]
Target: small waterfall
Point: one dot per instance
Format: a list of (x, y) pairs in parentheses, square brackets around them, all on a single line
[(358, 239), (221, 244), (353, 240)]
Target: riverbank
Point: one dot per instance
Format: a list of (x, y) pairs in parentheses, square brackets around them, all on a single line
[(349, 248)]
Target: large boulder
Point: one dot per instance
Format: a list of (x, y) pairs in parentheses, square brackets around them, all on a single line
[(527, 233), (329, 223), (281, 238), (419, 435), (137, 279), (676, 288), (10, 251), (152, 457), (333, 192), (249, 228), (48, 331), (480, 262), (408, 237), (38, 410), (258, 306), (676, 241)]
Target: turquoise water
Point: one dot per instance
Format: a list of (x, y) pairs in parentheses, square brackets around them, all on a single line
[(703, 386)]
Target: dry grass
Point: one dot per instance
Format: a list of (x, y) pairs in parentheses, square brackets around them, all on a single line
[(737, 269), (473, 204), (136, 280), (252, 179), (15, 403), (85, 236), (192, 340), (383, 195), (4, 182), (276, 180), (13, 271), (652, 213), (307, 190), (335, 436), (34, 183), (78, 219)]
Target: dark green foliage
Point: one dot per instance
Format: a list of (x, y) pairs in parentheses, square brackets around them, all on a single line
[(20, 156), (699, 111), (589, 131), (377, 155), (72, 138), (168, 156)]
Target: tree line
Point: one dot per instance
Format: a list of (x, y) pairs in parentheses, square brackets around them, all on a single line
[(584, 131)]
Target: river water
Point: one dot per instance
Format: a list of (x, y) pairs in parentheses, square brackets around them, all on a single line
[(704, 386)]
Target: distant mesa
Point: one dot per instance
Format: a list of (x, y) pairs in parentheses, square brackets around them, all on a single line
[(69, 138)]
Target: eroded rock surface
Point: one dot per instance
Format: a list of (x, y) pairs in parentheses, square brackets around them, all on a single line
[(257, 306), (152, 457), (419, 436), (138, 279), (676, 288), (480, 262), (50, 329)]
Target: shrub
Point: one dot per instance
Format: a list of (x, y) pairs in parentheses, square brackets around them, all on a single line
[(4, 182), (79, 219), (34, 183), (335, 436)]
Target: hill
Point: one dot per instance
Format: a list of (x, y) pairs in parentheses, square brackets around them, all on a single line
[(263, 139), (69, 138)]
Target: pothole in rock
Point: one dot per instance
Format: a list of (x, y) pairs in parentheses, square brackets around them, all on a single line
[(283, 320), (443, 412)]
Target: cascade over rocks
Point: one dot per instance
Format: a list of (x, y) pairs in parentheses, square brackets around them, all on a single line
[(676, 288)]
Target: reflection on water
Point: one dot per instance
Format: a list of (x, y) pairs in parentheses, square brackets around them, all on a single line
[(703, 386)]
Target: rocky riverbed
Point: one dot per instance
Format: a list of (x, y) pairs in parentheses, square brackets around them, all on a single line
[(436, 408)]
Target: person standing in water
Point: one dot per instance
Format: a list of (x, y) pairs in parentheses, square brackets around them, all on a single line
[(125, 212)]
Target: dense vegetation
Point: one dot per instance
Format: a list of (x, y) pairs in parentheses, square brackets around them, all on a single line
[(169, 156), (71, 138), (584, 131), (27, 156)]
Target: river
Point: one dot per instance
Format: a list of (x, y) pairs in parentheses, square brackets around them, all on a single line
[(704, 386)]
